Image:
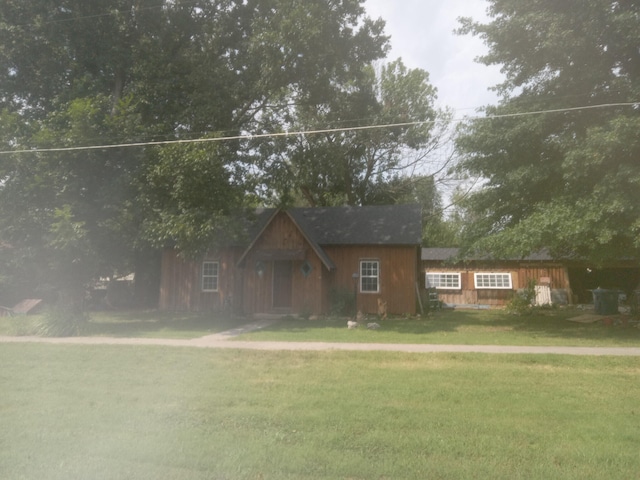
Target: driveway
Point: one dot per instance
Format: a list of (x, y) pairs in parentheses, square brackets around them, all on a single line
[(224, 340)]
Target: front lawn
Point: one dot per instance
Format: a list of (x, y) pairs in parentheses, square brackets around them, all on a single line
[(140, 323), (465, 327), (469, 327), (107, 412)]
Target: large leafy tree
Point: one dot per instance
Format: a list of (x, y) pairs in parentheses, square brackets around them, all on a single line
[(569, 179), (75, 73), (356, 157)]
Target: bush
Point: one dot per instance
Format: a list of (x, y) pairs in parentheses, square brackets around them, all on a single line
[(341, 302), (22, 325), (62, 321), (521, 302)]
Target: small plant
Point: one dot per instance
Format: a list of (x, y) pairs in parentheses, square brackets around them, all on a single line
[(521, 303), (306, 312), (22, 325), (62, 321), (341, 302)]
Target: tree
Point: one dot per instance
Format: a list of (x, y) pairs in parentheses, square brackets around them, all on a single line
[(348, 162), (62, 212), (77, 73), (567, 180)]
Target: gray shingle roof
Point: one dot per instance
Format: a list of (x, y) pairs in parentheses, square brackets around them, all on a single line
[(439, 254), (443, 254), (372, 225), (369, 225)]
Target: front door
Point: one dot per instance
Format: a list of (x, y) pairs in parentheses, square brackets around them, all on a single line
[(282, 284)]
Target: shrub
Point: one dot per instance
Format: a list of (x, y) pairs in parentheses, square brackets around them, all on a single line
[(22, 325), (521, 302), (306, 312), (341, 302), (62, 321)]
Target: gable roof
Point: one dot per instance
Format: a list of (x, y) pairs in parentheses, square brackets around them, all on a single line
[(264, 218), (370, 225)]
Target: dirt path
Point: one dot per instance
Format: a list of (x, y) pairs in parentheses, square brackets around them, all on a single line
[(224, 340)]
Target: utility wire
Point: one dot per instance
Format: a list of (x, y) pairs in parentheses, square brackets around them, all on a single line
[(560, 110), (310, 132)]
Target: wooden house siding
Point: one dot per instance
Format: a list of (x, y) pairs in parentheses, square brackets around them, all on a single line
[(398, 270), (282, 241), (260, 297), (181, 282), (296, 258), (521, 274)]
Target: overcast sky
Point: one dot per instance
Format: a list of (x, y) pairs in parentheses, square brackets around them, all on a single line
[(422, 34)]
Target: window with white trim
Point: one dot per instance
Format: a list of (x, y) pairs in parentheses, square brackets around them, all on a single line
[(443, 280), (369, 276), (493, 280), (210, 271)]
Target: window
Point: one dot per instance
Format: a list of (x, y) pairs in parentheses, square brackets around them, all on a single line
[(443, 281), (306, 269), (210, 276), (370, 276), (493, 280)]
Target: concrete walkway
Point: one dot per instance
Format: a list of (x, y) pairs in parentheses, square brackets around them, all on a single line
[(223, 340)]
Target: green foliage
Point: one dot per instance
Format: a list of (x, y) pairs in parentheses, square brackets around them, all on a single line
[(341, 302), (195, 197), (567, 181), (355, 167), (134, 71), (62, 321), (521, 302), (22, 325)]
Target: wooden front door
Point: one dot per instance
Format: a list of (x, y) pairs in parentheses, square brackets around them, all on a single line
[(282, 284)]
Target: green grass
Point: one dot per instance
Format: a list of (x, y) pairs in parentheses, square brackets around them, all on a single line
[(104, 412), (465, 327), (468, 327), (145, 324)]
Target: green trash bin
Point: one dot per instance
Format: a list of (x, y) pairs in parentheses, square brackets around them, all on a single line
[(605, 302)]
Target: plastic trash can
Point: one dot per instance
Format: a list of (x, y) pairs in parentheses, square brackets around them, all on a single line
[(605, 302)]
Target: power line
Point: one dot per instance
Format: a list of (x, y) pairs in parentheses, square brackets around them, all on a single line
[(561, 110), (311, 132)]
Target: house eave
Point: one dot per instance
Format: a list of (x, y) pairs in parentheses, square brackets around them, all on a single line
[(319, 251)]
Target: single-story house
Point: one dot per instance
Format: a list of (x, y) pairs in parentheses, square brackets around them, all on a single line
[(300, 260), (483, 281)]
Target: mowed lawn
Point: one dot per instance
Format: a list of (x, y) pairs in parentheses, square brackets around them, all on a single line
[(467, 327), (134, 324), (143, 412)]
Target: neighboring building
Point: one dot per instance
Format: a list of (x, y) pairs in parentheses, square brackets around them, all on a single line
[(483, 281), (298, 260)]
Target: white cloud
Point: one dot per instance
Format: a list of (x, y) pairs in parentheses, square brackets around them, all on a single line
[(422, 34)]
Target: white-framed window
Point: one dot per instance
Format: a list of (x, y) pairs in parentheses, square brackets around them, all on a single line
[(493, 280), (369, 276), (210, 271), (443, 280)]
